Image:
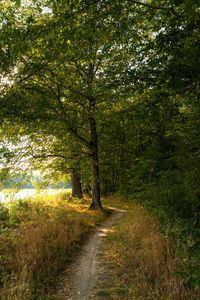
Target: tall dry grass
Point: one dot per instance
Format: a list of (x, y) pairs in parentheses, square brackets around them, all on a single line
[(42, 237), (142, 263)]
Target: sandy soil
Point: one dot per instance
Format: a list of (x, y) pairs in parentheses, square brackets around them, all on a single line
[(78, 280)]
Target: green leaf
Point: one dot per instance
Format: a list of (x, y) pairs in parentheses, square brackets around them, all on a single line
[(18, 2)]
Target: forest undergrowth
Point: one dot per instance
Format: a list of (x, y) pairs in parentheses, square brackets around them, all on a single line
[(38, 238)]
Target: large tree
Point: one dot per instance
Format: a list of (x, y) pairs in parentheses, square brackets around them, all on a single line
[(69, 76)]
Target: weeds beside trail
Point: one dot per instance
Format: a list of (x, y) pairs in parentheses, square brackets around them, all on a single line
[(141, 263), (38, 237)]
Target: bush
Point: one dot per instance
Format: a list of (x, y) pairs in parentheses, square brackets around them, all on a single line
[(4, 212)]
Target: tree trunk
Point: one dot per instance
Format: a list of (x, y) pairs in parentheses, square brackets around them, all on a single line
[(96, 202), (76, 185)]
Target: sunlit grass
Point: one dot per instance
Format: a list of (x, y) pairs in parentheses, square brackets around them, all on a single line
[(116, 201), (38, 237), (7, 195)]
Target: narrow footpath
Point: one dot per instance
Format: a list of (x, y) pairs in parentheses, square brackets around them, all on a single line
[(81, 276)]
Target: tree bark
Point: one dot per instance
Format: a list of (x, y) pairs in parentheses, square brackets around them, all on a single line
[(76, 185), (96, 202)]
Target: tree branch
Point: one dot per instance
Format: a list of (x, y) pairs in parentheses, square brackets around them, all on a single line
[(58, 83), (43, 93), (48, 155), (79, 69), (79, 137), (158, 7)]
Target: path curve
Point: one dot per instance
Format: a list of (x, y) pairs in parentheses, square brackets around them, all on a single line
[(85, 269)]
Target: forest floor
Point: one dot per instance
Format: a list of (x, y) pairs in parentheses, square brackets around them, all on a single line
[(80, 280)]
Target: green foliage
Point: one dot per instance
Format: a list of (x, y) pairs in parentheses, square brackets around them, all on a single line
[(118, 79), (190, 269), (4, 213), (17, 210)]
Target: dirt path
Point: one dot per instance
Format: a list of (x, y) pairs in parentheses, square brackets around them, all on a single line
[(85, 271)]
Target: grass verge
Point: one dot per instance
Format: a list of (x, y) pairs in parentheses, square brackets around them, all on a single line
[(141, 263), (38, 237)]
